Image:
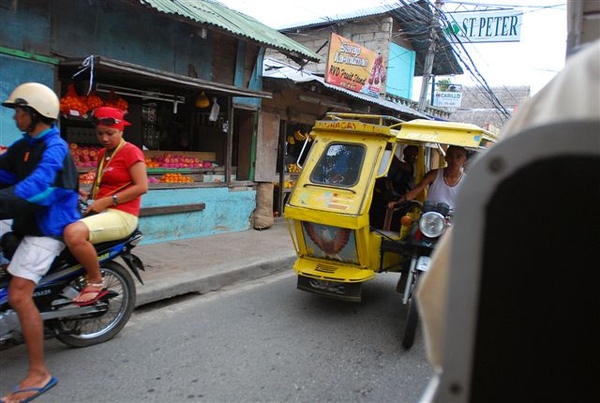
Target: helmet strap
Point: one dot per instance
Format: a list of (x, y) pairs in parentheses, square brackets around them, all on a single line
[(35, 119)]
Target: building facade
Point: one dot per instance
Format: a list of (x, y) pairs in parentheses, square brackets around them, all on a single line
[(189, 74)]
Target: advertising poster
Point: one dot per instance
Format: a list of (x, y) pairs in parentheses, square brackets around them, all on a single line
[(354, 67)]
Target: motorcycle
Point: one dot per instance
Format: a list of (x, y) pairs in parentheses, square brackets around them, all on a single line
[(73, 325), (423, 233)]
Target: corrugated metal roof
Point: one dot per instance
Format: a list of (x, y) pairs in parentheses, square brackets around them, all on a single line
[(210, 12), (275, 69), (352, 15)]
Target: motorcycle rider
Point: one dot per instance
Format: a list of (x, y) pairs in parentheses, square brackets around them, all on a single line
[(40, 195), (444, 182)]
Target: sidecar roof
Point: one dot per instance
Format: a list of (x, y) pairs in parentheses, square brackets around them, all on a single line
[(419, 131), (450, 133)]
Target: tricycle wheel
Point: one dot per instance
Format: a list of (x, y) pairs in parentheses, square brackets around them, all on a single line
[(410, 327)]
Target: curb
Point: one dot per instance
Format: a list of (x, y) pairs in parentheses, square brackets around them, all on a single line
[(212, 279)]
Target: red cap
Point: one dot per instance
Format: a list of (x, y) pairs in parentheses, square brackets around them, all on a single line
[(110, 117)]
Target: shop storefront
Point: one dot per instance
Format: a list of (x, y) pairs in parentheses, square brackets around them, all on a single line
[(190, 79), (196, 142)]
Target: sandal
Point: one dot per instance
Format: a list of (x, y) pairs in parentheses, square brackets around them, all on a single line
[(99, 289)]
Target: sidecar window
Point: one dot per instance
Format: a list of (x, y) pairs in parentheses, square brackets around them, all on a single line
[(340, 165), (385, 161)]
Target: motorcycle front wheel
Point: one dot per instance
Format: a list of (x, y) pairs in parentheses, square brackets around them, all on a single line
[(121, 303), (410, 328)]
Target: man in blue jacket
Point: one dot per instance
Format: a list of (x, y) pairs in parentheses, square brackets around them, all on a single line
[(40, 193)]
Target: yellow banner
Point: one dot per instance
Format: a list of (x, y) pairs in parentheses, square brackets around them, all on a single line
[(354, 67)]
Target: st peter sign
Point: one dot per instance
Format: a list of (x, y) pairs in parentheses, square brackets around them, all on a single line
[(485, 26)]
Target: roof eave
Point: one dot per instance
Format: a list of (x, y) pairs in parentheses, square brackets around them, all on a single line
[(179, 10)]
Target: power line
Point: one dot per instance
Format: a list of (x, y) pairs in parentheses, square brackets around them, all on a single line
[(503, 6), (472, 68)]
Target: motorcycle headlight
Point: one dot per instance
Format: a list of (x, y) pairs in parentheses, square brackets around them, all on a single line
[(432, 224)]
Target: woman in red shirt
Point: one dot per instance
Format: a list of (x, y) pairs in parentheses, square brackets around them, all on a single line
[(120, 182)]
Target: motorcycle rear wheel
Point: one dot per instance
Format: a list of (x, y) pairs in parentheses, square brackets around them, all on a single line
[(90, 331)]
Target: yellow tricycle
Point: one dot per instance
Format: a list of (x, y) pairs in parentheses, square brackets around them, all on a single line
[(330, 210)]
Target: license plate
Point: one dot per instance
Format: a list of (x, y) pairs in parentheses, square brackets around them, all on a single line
[(333, 289), (423, 263)]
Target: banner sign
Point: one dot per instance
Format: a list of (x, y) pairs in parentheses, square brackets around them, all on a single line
[(354, 67), (485, 26)]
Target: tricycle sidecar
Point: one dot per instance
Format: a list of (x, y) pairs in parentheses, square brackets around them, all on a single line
[(327, 213)]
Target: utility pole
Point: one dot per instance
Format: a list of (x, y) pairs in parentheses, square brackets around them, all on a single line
[(428, 68)]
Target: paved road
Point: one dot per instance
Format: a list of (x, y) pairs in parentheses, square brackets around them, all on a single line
[(261, 342)]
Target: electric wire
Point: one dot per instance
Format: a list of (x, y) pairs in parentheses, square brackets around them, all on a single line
[(420, 11), (471, 67)]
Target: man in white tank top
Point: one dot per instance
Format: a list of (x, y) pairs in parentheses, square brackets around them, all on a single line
[(444, 182)]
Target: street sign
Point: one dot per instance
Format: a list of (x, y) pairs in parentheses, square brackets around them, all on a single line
[(447, 99), (447, 95), (485, 26)]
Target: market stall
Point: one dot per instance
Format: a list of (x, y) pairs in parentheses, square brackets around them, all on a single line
[(191, 146)]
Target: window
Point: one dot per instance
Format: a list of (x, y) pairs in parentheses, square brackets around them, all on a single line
[(339, 165)]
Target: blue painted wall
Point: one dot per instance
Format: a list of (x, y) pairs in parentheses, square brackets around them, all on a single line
[(15, 71), (401, 66), (75, 29), (225, 211), (255, 79)]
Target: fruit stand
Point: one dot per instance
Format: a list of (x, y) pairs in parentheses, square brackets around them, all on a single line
[(166, 169), (188, 194), (182, 167)]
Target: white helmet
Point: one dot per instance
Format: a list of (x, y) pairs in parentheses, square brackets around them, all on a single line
[(36, 96)]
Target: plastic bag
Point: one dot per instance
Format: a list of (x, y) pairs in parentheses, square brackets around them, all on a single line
[(214, 112)]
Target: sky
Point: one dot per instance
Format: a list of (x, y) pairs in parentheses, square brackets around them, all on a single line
[(532, 61)]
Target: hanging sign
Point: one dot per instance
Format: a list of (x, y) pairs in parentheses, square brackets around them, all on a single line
[(447, 95), (485, 26), (354, 67)]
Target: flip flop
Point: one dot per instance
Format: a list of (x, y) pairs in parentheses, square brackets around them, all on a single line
[(99, 294), (38, 391)]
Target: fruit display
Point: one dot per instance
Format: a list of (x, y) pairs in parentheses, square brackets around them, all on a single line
[(84, 156), (93, 101), (293, 168), (87, 178), (299, 137), (286, 184), (116, 101), (72, 103), (175, 177), (169, 160)]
